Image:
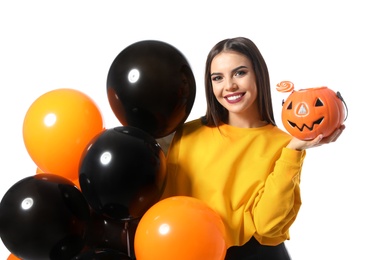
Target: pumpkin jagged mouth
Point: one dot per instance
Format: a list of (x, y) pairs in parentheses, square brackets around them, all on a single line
[(317, 122)]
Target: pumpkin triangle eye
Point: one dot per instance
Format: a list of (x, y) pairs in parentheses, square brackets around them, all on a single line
[(289, 106), (318, 103)]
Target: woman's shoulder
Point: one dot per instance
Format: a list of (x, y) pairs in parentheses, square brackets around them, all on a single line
[(193, 126)]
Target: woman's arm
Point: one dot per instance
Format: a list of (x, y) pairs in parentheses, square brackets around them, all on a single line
[(277, 205)]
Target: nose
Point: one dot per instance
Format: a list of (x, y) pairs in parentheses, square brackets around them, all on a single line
[(231, 86)]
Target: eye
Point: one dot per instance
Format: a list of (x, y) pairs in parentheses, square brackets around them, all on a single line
[(240, 73), (289, 106), (318, 103), (216, 78)]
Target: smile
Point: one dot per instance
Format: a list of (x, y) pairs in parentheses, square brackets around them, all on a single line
[(234, 98)]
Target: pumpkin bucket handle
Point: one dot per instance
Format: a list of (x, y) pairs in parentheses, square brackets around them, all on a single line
[(345, 105)]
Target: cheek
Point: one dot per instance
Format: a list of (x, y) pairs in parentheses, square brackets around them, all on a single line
[(253, 94), (218, 91)]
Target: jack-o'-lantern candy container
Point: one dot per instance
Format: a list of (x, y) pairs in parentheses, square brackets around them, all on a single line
[(306, 113)]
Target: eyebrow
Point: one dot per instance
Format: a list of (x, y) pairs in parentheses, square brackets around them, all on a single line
[(233, 70)]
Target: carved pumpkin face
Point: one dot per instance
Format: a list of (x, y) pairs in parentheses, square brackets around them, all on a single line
[(306, 113)]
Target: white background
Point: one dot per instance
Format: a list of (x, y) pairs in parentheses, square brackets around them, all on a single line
[(344, 45)]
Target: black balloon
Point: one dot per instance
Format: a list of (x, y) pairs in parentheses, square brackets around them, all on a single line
[(44, 217), (102, 254), (122, 172), (105, 232), (150, 85)]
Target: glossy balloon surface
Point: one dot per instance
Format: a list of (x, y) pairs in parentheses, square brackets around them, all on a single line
[(57, 127), (13, 257), (122, 173), (180, 228), (150, 85), (44, 217)]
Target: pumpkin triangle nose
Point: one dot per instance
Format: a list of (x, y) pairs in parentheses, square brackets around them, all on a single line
[(302, 109)]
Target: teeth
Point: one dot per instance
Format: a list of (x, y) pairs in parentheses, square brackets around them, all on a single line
[(231, 98)]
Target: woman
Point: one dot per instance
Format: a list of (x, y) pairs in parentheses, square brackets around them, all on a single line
[(236, 159)]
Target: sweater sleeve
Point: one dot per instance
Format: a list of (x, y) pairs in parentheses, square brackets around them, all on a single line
[(277, 205)]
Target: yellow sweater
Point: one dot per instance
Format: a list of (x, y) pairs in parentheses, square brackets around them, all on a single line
[(245, 174)]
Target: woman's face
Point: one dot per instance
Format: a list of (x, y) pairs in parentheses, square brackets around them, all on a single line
[(234, 84)]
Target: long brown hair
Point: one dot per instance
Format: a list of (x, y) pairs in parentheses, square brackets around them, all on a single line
[(216, 114)]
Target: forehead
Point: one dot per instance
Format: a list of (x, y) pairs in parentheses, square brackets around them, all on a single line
[(228, 60)]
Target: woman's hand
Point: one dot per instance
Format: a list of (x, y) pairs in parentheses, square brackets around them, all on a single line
[(298, 144)]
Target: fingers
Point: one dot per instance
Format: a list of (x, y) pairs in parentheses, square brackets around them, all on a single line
[(298, 144), (337, 133), (316, 141), (334, 136)]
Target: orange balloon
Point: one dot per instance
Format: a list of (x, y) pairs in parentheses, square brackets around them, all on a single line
[(57, 128), (13, 257), (180, 228)]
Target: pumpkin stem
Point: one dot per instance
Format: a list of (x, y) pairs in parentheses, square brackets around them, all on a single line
[(346, 108)]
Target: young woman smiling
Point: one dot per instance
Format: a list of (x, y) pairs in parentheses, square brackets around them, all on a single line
[(237, 160)]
